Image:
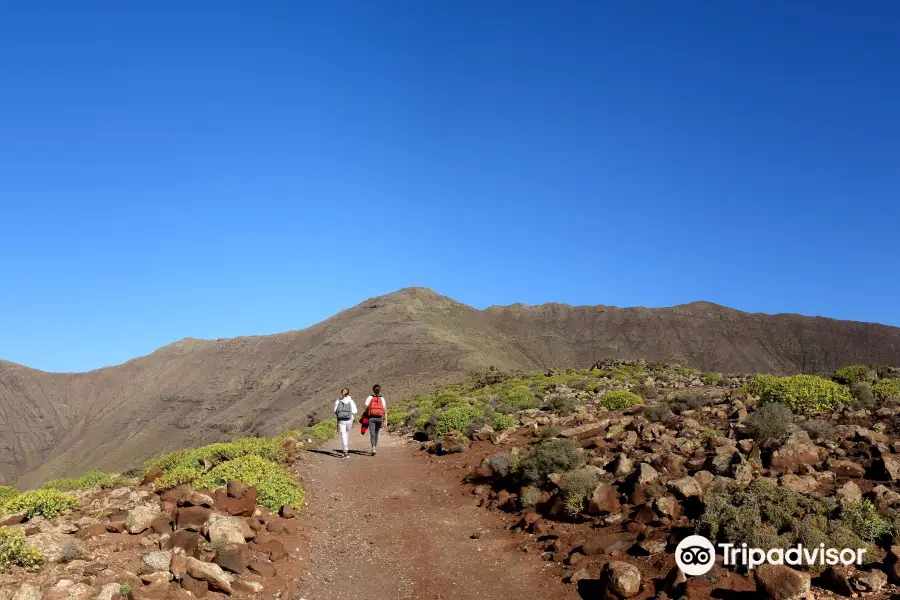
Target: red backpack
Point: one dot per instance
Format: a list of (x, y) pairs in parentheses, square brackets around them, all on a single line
[(376, 407)]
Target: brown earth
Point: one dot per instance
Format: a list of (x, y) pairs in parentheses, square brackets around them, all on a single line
[(198, 391), (399, 526)]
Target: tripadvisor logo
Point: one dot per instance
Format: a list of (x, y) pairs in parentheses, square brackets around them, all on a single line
[(696, 555)]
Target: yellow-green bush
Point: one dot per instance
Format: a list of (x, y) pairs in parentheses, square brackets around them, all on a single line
[(323, 430), (398, 418), (759, 384), (619, 400), (502, 422), (87, 481), (7, 492), (46, 502), (457, 417), (185, 466), (15, 552), (806, 394), (712, 378), (274, 483), (885, 389), (852, 374), (520, 397)]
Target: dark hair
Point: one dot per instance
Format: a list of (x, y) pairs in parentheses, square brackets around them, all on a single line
[(376, 389), (345, 392)]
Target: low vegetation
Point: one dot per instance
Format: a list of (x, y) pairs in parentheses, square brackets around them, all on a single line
[(274, 483), (92, 479), (619, 400), (802, 394), (44, 502), (14, 552)]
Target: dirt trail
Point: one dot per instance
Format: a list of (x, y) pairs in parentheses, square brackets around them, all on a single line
[(396, 527)]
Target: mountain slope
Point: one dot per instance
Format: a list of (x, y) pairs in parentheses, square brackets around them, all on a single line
[(195, 391)]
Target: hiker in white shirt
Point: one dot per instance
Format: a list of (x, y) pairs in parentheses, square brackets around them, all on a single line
[(344, 411), (376, 410)]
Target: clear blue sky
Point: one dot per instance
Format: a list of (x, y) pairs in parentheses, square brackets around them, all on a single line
[(212, 169)]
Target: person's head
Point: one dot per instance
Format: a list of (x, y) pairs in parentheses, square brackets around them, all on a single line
[(345, 392), (376, 389)]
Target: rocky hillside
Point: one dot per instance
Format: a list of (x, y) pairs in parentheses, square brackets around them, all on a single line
[(195, 391), (604, 471)]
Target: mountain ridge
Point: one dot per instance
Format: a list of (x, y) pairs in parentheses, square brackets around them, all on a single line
[(195, 391)]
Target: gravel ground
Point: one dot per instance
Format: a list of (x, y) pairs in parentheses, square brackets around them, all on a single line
[(396, 527)]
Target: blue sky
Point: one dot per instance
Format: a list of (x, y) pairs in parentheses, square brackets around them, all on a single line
[(211, 169)]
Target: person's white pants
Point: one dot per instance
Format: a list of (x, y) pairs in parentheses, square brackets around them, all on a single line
[(344, 428)]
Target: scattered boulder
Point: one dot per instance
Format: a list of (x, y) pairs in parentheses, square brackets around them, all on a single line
[(686, 487), (780, 582), (848, 493), (192, 518), (140, 518), (620, 580), (197, 587), (604, 499), (225, 530), (233, 557), (57, 547), (868, 581), (213, 575), (109, 592), (157, 561), (28, 591), (790, 457), (187, 541)]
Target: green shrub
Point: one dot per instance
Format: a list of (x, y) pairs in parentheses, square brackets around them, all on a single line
[(552, 456), (576, 486), (501, 464), (658, 413), (520, 397), (457, 418), (806, 394), (885, 389), (863, 519), (770, 421), (322, 431), (7, 492), (15, 552), (561, 405), (502, 422), (44, 502), (712, 378), (853, 374), (862, 392), (766, 516), (274, 483), (398, 418), (760, 384), (89, 480), (185, 466), (528, 497), (619, 400)]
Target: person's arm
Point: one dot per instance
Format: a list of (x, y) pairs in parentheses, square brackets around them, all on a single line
[(353, 406), (384, 417)]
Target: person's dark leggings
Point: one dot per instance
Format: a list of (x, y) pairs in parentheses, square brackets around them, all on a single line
[(374, 428)]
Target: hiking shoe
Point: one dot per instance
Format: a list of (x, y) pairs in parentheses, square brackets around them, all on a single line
[(373, 451), (346, 455)]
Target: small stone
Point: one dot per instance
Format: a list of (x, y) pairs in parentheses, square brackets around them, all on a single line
[(620, 579), (212, 574), (28, 591), (225, 530), (848, 493), (869, 581), (156, 561), (686, 487)]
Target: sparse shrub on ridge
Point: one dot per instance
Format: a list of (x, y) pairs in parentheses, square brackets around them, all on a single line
[(275, 485), (619, 400), (712, 378), (658, 413), (87, 481), (45, 502), (886, 389), (817, 429), (185, 466), (528, 497), (552, 456), (863, 519), (501, 464), (853, 374), (561, 405), (576, 485), (520, 398), (457, 418), (7, 492), (770, 421), (806, 394), (502, 422), (862, 392), (15, 552)]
